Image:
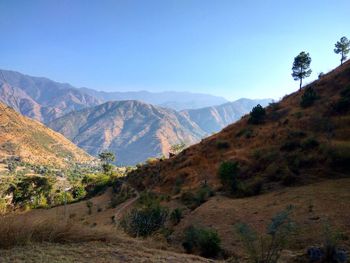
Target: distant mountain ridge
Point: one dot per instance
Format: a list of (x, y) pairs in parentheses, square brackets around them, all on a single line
[(176, 100), (133, 130), (40, 98), (214, 118)]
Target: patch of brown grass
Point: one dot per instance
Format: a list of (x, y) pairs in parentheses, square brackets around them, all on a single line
[(16, 232)]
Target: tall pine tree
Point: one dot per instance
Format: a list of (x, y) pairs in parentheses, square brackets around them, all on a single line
[(342, 47), (301, 67)]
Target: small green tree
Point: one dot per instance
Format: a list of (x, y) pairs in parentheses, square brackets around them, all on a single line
[(228, 173), (301, 67), (342, 47), (106, 158), (257, 115)]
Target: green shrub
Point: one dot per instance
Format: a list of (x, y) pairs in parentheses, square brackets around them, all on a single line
[(308, 98), (342, 105), (145, 220), (228, 173), (309, 143), (193, 200), (30, 191), (257, 115), (247, 132), (176, 216), (290, 145), (267, 248), (222, 145), (78, 192), (340, 157), (206, 241)]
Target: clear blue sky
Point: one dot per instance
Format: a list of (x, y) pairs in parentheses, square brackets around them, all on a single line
[(232, 48)]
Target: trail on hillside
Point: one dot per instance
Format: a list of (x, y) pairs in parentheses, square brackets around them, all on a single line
[(124, 206)]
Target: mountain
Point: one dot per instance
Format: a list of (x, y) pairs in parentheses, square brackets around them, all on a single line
[(40, 98), (303, 138), (169, 99), (133, 130), (35, 143), (214, 118)]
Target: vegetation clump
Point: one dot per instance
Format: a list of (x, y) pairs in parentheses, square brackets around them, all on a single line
[(267, 248), (176, 216), (193, 200), (257, 115), (308, 98), (228, 173), (144, 221), (206, 241)]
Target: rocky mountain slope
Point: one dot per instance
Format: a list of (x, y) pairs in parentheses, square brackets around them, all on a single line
[(301, 139), (40, 98), (35, 143), (133, 130), (214, 118)]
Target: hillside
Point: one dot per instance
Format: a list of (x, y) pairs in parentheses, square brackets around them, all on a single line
[(214, 118), (133, 130), (40, 98), (35, 143), (293, 145)]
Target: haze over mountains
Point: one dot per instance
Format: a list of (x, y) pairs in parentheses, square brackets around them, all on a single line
[(131, 126)]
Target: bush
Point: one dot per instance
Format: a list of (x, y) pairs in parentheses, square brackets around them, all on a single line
[(257, 115), (267, 248), (176, 216), (222, 145), (290, 145), (308, 98), (340, 157), (144, 221), (342, 105), (228, 173), (206, 241), (193, 200), (309, 143), (78, 192)]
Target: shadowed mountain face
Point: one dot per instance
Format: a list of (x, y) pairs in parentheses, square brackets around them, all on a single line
[(133, 130), (35, 143), (213, 119), (40, 98)]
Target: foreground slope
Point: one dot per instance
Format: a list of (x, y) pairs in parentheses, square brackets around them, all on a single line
[(293, 145), (35, 143), (133, 130)]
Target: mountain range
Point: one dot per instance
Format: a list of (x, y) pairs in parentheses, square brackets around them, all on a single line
[(129, 124)]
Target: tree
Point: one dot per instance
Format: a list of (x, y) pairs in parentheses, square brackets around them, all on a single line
[(257, 115), (106, 158), (301, 67), (342, 47)]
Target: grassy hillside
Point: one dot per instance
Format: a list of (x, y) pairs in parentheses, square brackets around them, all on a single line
[(34, 143), (294, 144)]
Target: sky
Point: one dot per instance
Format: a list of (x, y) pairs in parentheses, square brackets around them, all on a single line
[(230, 48)]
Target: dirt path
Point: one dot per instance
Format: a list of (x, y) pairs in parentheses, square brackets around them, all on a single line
[(124, 206)]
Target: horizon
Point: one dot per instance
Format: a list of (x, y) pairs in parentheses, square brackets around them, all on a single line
[(172, 46)]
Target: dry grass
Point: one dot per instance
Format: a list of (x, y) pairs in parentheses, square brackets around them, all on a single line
[(16, 232)]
